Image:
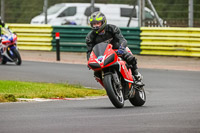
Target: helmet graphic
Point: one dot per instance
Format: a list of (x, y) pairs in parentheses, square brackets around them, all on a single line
[(98, 17)]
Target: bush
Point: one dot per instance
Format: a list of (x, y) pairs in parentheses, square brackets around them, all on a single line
[(7, 98)]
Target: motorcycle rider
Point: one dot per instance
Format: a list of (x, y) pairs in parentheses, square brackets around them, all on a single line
[(103, 32), (2, 24)]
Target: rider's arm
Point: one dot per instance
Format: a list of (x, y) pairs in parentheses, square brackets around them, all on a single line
[(118, 35), (89, 42)]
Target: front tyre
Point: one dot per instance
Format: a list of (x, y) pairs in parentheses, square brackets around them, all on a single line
[(140, 97), (17, 58), (114, 93)]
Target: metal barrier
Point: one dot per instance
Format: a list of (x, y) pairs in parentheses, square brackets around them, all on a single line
[(33, 37), (145, 40), (72, 38), (170, 41), (132, 36)]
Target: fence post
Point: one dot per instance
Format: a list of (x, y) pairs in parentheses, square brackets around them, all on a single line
[(58, 46), (3, 10), (45, 11), (190, 13), (92, 6), (154, 11)]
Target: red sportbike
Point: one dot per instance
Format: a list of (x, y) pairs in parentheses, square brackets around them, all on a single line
[(115, 76)]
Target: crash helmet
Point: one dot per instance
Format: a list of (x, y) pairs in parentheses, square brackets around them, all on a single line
[(98, 17)]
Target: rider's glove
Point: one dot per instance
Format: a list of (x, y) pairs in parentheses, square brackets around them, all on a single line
[(121, 50)]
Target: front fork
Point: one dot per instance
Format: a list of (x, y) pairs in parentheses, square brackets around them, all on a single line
[(10, 53), (114, 75)]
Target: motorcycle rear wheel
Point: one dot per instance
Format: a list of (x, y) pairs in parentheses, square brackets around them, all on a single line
[(2, 61), (140, 97), (115, 95)]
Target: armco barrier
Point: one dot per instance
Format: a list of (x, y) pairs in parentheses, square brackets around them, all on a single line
[(132, 36), (147, 40), (33, 37), (170, 41), (72, 38)]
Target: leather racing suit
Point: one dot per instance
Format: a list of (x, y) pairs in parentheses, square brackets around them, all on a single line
[(113, 36)]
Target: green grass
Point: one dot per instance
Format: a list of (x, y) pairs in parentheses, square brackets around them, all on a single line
[(10, 90)]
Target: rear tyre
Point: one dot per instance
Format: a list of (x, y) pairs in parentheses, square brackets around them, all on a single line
[(2, 60), (140, 97), (114, 93)]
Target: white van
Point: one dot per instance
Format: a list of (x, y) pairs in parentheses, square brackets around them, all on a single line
[(78, 13)]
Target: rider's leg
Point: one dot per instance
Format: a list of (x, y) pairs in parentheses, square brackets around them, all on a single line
[(131, 60)]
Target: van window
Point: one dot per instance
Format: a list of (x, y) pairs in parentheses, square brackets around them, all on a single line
[(54, 9), (126, 12), (148, 16), (88, 10), (70, 11)]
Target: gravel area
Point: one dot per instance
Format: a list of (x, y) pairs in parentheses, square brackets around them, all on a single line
[(144, 61)]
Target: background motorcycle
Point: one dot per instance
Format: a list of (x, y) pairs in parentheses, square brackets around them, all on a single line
[(115, 76), (8, 48)]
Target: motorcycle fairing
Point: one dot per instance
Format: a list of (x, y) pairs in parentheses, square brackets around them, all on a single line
[(104, 56), (9, 40), (101, 59), (126, 73), (6, 52)]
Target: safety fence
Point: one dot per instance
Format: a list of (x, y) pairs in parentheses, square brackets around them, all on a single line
[(170, 41), (33, 37), (145, 40), (72, 38)]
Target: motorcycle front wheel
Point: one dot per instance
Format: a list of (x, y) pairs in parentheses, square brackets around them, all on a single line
[(114, 93), (17, 58)]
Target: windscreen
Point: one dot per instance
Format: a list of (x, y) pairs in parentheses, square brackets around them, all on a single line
[(5, 31), (54, 9), (99, 49)]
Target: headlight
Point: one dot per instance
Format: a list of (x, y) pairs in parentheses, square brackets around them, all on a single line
[(94, 65), (109, 59)]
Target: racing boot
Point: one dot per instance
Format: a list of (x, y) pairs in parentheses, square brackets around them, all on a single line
[(138, 78), (131, 60), (137, 75)]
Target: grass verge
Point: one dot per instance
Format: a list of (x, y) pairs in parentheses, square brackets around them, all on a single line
[(11, 90)]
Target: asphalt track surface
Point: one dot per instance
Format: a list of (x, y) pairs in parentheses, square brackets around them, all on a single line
[(173, 103)]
